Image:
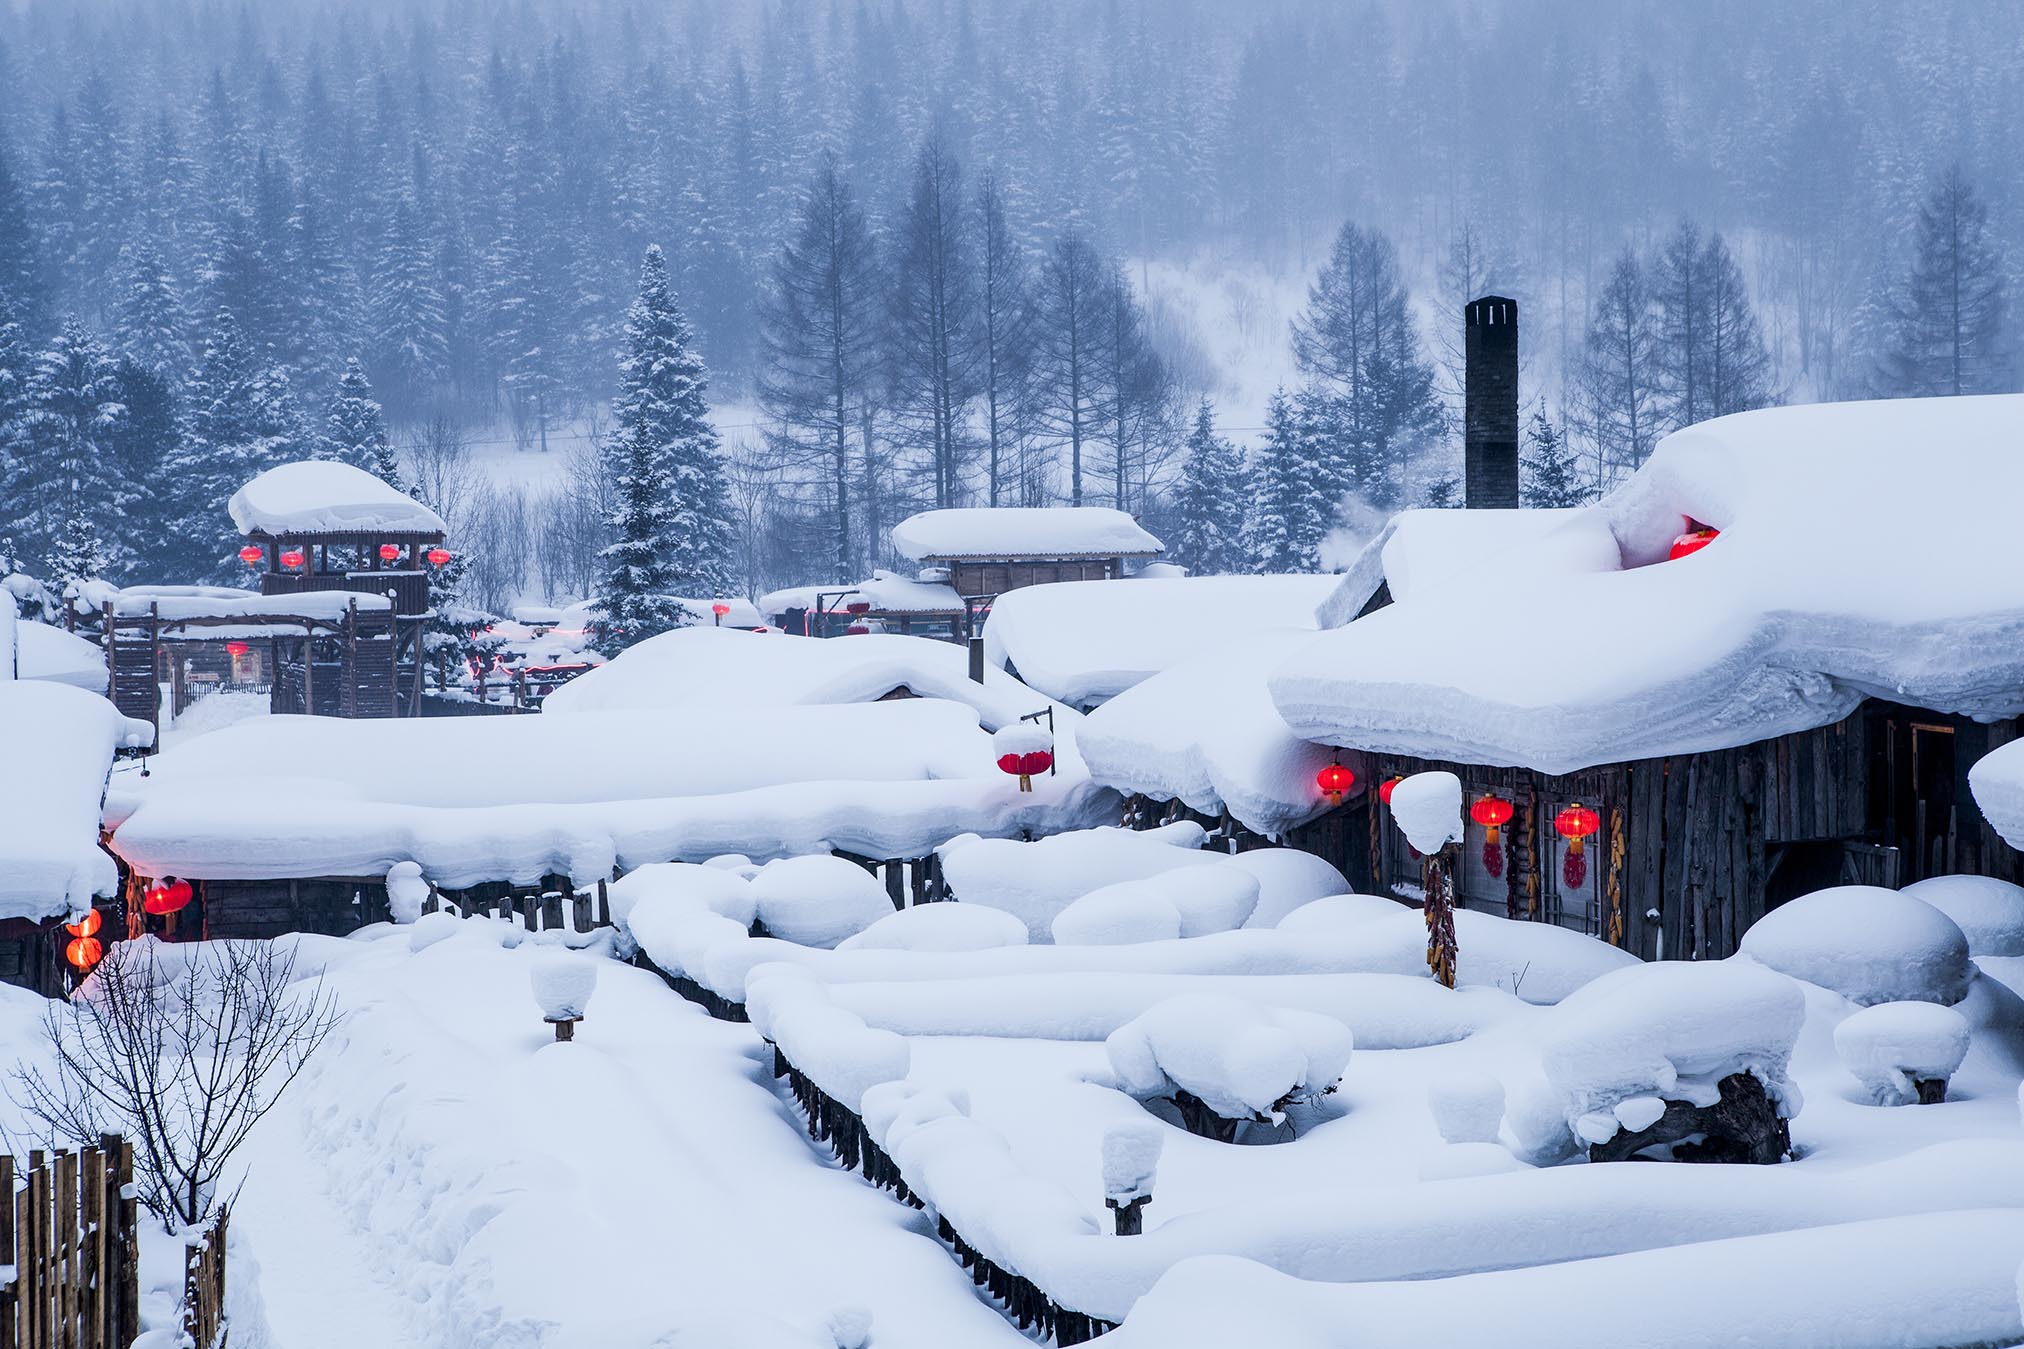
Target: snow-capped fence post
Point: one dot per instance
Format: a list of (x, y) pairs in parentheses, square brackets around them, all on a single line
[(1428, 807), (1131, 1155), (67, 1241), (563, 982)]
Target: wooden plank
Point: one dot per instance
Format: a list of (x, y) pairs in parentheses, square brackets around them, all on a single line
[(38, 1250), (129, 1222), (10, 1226)]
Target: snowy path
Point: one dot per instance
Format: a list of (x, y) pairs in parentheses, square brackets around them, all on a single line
[(448, 1176)]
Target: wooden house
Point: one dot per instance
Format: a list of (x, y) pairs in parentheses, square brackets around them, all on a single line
[(988, 550)]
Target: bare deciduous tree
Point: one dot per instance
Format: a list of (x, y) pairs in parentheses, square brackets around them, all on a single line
[(181, 1049)]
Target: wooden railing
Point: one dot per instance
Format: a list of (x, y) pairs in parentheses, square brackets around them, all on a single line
[(204, 1324), (67, 1238)]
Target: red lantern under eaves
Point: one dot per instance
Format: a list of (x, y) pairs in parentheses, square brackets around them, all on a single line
[(438, 557), (83, 953), (251, 554), (1574, 824), (1027, 766), (1384, 789), (167, 896), (389, 552), (236, 649), (1493, 813), (293, 559), (720, 608), (1335, 782), (86, 926), (1692, 542)]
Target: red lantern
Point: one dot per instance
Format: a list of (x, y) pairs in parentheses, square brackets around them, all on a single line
[(165, 897), (83, 953), (1384, 789), (858, 607), (86, 926), (720, 608), (438, 556), (1335, 781), (251, 554), (1574, 824), (1691, 543), (389, 552), (236, 649), (856, 630), (293, 559), (1493, 813)]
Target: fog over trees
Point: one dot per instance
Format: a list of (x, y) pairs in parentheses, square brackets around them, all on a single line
[(909, 240)]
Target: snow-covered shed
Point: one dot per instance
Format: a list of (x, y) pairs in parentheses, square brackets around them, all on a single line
[(61, 741), (1765, 662), (989, 550), (887, 602)]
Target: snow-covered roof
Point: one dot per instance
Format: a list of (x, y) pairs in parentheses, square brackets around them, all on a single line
[(513, 798), (1866, 549), (1022, 532), (1085, 641), (1205, 732), (42, 651), (1418, 548), (740, 673), (60, 742), (891, 594), (318, 496)]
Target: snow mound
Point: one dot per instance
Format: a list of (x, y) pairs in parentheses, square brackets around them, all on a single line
[(720, 890), (817, 900), (1671, 1030), (1241, 1060), (1866, 943), (1428, 807), (1997, 782), (831, 1044), (1131, 1158), (563, 982), (1895, 1045), (1989, 912), (321, 496), (1467, 1109), (431, 928), (1336, 913), (1117, 915), (59, 744), (1288, 879), (44, 651), (940, 927), (406, 891), (1036, 881)]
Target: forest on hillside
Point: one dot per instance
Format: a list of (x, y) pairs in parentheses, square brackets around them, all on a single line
[(912, 235)]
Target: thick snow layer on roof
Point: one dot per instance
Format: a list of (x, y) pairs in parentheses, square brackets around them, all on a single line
[(1997, 781), (1418, 548), (60, 743), (1866, 549), (1205, 732), (892, 594), (320, 496), (42, 651), (175, 603), (1023, 532), (514, 798), (739, 672), (1086, 641)]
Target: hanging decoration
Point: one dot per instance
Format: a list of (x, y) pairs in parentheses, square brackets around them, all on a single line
[(1691, 542), (236, 649), (1493, 812), (1384, 789), (389, 552), (293, 559), (719, 609), (1335, 782), (167, 896), (251, 554), (438, 556), (857, 607), (1025, 750), (1574, 824), (86, 926), (83, 953)]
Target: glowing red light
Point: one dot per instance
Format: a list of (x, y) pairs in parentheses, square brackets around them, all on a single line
[(1334, 780), (251, 554), (389, 552), (438, 557), (293, 559)]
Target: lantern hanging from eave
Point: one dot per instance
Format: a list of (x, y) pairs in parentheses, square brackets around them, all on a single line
[(1574, 824), (389, 552), (86, 926), (858, 607), (1493, 812), (83, 953), (167, 896), (293, 559), (1025, 750), (236, 649), (438, 557), (1335, 782), (1692, 542), (720, 608), (1385, 788), (251, 554)]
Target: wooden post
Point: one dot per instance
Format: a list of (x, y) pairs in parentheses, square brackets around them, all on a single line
[(65, 1218), (579, 911), (91, 1280), (34, 1271), (551, 911), (1130, 1215), (10, 1219), (603, 904), (130, 1261)]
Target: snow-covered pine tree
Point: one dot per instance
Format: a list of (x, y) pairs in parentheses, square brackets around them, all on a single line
[(1946, 330), (1616, 381), (150, 323), (1442, 494), (79, 554), (409, 351), (1549, 475), (74, 498), (1681, 323), (1212, 501), (355, 429), (227, 445), (1740, 372), (17, 364), (672, 517), (146, 438), (21, 274), (279, 419), (1292, 508)]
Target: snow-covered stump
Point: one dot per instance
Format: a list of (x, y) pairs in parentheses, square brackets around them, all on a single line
[(563, 983), (1131, 1158), (1903, 1052)]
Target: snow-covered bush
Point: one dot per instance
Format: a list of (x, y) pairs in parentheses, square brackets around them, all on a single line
[(1035, 881), (1866, 943), (818, 900), (1190, 902), (1237, 1060), (1467, 1109), (431, 928), (406, 891), (1903, 1051), (1989, 912), (940, 927), (1287, 879), (1625, 1045), (563, 982), (1339, 913)]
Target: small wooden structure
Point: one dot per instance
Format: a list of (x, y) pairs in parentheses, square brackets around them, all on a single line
[(987, 551), (68, 1243)]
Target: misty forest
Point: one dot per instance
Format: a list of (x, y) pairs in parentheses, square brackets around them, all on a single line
[(1202, 261)]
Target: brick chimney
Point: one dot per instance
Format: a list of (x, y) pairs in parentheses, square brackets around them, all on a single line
[(1490, 400)]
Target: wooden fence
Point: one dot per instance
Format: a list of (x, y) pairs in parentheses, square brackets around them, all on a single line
[(204, 1325), (68, 1237)]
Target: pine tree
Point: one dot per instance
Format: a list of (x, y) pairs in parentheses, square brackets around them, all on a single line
[(1292, 509), (231, 420), (1549, 472), (409, 351), (355, 430), (672, 517), (1740, 372), (1212, 501), (73, 497), (150, 321), (1443, 493), (1616, 382), (1946, 320), (1681, 321), (21, 274)]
